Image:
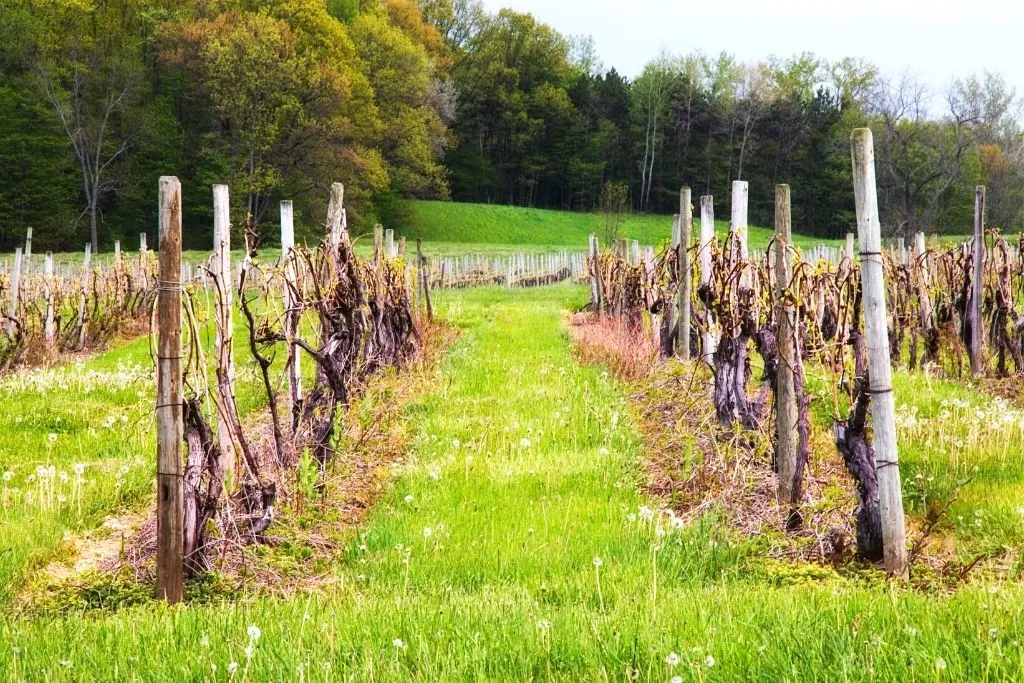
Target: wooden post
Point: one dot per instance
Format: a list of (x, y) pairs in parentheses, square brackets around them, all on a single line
[(26, 266), (169, 519), (849, 246), (291, 308), (48, 329), (683, 259), (738, 222), (223, 343), (389, 243), (12, 308), (143, 262), (594, 256), (425, 278), (883, 416), (336, 218), (83, 300), (977, 357), (924, 280), (707, 238), (785, 394)]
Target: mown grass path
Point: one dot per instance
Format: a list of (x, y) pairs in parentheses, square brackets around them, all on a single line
[(516, 545)]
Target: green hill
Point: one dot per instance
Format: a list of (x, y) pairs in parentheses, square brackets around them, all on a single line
[(485, 224)]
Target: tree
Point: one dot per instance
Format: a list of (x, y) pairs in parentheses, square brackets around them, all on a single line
[(614, 207), (88, 70), (650, 101)]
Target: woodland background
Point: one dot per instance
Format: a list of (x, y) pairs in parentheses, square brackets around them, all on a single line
[(440, 100)]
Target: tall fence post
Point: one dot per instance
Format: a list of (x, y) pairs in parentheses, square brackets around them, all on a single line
[(425, 278), (84, 297), (291, 307), (785, 393), (26, 267), (336, 218), (594, 259), (883, 416), (738, 209), (223, 284), (169, 427), (707, 237), (48, 328), (977, 357), (12, 308), (683, 259), (849, 246)]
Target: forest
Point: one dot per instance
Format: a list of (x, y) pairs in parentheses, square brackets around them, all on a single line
[(439, 99)]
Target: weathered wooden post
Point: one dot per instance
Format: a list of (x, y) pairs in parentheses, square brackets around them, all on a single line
[(12, 308), (223, 344), (977, 357), (48, 329), (738, 222), (26, 267), (683, 259), (883, 416), (389, 243), (336, 218), (84, 297), (707, 238), (924, 281), (425, 278), (594, 256), (785, 393), (169, 513), (291, 308), (143, 262)]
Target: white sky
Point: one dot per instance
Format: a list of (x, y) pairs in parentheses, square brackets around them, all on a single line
[(938, 39)]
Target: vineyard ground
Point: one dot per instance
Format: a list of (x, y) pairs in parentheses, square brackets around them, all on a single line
[(515, 543)]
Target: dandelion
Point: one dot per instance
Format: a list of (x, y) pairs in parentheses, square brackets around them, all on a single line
[(249, 651), (232, 667), (8, 475), (524, 442), (398, 643), (603, 451), (672, 659), (456, 443), (427, 532), (646, 513), (940, 664), (205, 641), (598, 562), (543, 625), (408, 499), (254, 632), (993, 632), (79, 469), (710, 661), (912, 632), (676, 679), (52, 437)]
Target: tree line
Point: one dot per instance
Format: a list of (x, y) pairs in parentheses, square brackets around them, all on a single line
[(439, 99)]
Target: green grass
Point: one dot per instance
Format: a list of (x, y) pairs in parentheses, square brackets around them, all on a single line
[(479, 564), (507, 225)]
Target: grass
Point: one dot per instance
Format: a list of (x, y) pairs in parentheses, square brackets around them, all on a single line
[(515, 544), (508, 225)]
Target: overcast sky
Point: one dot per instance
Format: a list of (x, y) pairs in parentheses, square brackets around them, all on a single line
[(938, 39)]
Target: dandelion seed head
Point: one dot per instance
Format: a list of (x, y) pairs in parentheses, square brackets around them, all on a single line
[(398, 643), (8, 475), (672, 659), (232, 667), (598, 562), (940, 664), (709, 661), (427, 532), (254, 632)]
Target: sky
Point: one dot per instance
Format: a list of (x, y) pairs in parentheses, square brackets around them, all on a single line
[(938, 40)]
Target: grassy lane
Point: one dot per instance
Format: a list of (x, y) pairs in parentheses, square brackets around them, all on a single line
[(515, 546)]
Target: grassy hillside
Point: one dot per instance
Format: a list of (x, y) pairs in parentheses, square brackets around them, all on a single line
[(492, 224)]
